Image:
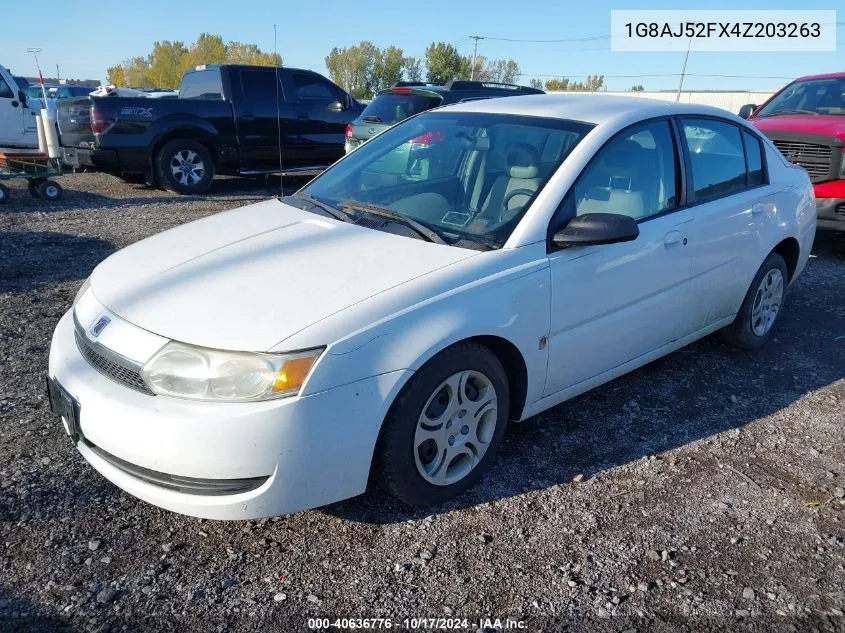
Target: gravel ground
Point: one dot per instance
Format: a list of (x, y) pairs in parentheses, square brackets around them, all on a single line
[(704, 491)]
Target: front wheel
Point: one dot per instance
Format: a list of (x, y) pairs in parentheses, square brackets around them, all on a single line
[(761, 307), (444, 428), (184, 166)]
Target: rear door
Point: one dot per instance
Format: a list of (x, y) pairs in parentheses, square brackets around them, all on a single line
[(11, 115), (732, 201), (321, 115), (261, 112)]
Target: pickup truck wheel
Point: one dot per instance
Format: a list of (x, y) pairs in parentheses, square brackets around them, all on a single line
[(184, 166), (444, 427), (4, 194)]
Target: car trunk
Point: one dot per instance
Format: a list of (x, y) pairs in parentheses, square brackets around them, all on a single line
[(74, 119)]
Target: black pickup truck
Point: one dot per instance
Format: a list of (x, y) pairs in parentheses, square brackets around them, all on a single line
[(228, 119)]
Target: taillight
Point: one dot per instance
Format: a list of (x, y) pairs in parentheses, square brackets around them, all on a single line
[(429, 138), (101, 123), (348, 130)]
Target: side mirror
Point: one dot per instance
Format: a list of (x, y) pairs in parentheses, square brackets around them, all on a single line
[(747, 110), (597, 228), (335, 106), (22, 97)]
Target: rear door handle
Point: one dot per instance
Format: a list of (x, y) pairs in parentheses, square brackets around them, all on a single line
[(672, 238), (248, 116), (302, 115)]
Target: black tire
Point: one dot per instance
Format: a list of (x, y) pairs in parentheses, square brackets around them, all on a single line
[(396, 467), (741, 332), (32, 186), (4, 194), (184, 150), (50, 190)]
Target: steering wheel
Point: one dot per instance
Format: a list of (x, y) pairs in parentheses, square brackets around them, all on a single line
[(510, 196)]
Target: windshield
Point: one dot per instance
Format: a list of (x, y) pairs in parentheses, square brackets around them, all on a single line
[(813, 96), (393, 108), (468, 176)]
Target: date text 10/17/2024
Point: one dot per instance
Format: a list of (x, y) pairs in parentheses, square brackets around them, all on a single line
[(440, 624)]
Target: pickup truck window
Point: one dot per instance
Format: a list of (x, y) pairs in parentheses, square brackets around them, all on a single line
[(310, 86), (257, 85), (202, 84), (5, 91)]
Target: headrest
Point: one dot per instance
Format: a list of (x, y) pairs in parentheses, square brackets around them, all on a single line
[(523, 161), (624, 154)]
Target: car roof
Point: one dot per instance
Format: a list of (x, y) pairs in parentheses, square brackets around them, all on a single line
[(823, 76), (594, 108)]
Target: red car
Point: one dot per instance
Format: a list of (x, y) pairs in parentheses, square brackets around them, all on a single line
[(806, 121)]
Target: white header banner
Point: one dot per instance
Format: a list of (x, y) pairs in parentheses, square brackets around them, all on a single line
[(727, 31)]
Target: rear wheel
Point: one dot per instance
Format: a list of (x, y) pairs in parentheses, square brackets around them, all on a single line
[(4, 194), (184, 166), (444, 428), (761, 307), (50, 190)]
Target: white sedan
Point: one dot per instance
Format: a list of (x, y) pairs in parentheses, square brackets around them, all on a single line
[(475, 264)]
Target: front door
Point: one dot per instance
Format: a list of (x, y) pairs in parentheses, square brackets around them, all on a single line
[(11, 115), (614, 303), (321, 116)]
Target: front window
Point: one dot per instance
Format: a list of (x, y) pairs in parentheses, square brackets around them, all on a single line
[(392, 108), (812, 96), (468, 177)]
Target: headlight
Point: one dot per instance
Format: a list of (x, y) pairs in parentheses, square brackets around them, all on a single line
[(199, 373), (85, 285)]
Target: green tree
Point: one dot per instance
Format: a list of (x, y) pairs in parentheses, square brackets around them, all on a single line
[(443, 62), (412, 69), (591, 84), (637, 88), (388, 68), (168, 61), (354, 68), (208, 49)]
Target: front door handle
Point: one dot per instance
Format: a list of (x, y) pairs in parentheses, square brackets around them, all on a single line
[(302, 115), (247, 116), (672, 238)]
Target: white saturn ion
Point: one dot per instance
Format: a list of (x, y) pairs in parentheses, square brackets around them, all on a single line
[(475, 264)]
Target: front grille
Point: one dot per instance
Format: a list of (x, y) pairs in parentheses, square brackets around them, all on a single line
[(815, 158), (187, 485), (110, 364)]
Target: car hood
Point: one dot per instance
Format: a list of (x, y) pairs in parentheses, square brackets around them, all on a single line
[(831, 125), (248, 279)]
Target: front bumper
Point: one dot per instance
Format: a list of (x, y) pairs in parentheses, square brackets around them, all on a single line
[(300, 452), (831, 213)]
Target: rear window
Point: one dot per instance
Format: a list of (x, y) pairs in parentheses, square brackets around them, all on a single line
[(202, 84), (395, 107)]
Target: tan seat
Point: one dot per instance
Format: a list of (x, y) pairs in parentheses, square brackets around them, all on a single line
[(523, 168)]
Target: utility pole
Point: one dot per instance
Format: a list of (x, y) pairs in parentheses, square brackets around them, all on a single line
[(58, 76), (474, 54), (683, 71)]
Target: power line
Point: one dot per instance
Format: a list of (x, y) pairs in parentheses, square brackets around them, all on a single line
[(659, 75)]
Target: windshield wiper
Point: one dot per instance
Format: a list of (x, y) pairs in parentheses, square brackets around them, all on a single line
[(337, 214), (779, 112), (372, 118), (421, 229)]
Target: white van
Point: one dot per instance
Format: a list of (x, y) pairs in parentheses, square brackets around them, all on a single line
[(17, 115)]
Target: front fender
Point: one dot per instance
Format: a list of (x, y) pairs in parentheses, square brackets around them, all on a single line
[(513, 305)]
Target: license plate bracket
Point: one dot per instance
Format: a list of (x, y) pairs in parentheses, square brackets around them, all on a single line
[(65, 407)]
